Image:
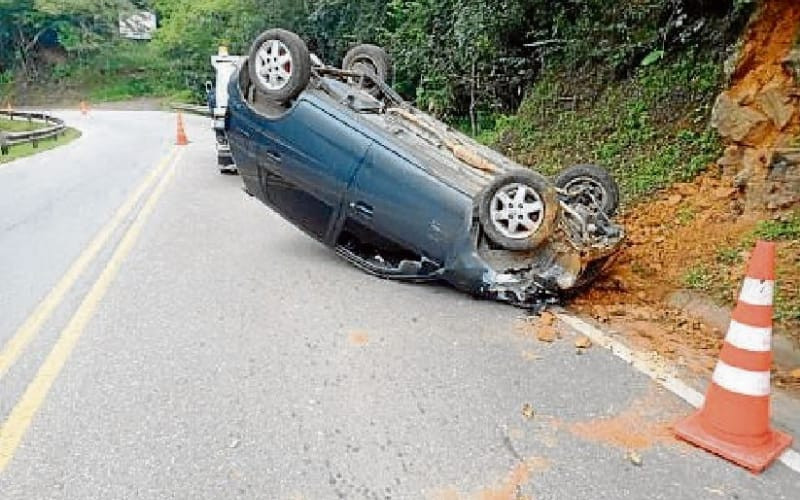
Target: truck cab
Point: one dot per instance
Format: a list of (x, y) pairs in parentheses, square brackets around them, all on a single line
[(217, 94)]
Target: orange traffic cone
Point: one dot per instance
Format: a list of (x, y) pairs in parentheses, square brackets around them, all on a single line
[(84, 108), (734, 420), (182, 140)]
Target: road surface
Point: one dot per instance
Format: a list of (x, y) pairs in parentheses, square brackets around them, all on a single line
[(166, 336)]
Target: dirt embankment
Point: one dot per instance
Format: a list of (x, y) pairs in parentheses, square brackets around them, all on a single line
[(690, 224)]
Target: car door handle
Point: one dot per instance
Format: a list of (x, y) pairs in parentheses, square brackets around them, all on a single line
[(274, 156), (362, 208), (244, 133)]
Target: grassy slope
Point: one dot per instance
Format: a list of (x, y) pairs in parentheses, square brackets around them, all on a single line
[(124, 70), (649, 130), (18, 125), (27, 149), (720, 275)]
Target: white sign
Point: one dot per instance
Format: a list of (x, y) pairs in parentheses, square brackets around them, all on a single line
[(138, 26)]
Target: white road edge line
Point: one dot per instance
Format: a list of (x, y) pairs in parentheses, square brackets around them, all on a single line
[(654, 366)]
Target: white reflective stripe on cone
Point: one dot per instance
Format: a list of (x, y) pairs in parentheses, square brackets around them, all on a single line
[(741, 381), (749, 338), (757, 292)]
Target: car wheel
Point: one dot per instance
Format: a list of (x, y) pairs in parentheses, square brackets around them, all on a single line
[(279, 65), (369, 59), (591, 185), (518, 210)]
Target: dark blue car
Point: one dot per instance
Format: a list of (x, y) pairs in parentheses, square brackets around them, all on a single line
[(401, 195)]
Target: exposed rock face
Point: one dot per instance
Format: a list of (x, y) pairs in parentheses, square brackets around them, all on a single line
[(759, 116), (735, 121), (783, 180)]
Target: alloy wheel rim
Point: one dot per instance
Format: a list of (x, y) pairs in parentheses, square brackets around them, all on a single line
[(274, 64), (516, 211)]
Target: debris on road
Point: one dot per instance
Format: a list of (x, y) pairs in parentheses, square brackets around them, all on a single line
[(634, 458), (542, 327), (509, 488), (528, 411), (646, 422), (546, 334), (358, 338), (545, 327), (583, 342)]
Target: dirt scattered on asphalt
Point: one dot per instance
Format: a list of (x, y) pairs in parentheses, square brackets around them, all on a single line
[(542, 328), (638, 427), (583, 342), (358, 338), (508, 488)]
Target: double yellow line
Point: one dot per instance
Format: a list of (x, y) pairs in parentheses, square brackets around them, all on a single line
[(18, 421)]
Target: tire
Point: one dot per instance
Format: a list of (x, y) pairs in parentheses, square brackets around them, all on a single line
[(496, 215), (279, 65), (597, 179), (366, 58)]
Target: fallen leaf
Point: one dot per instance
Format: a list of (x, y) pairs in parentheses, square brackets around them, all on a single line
[(583, 342)]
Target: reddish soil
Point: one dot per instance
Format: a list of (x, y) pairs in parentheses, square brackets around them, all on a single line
[(662, 247), (506, 489), (358, 338), (638, 427), (689, 223)]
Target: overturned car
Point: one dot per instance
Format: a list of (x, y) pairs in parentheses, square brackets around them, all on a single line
[(401, 195)]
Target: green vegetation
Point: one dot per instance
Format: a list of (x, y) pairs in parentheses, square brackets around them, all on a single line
[(649, 129), (623, 84), (698, 278), (18, 125), (27, 149), (721, 278), (787, 229)]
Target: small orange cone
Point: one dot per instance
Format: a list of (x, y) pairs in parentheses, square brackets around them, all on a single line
[(8, 107), (734, 420), (182, 140)]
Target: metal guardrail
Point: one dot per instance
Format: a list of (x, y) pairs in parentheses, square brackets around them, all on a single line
[(53, 127), (191, 108)]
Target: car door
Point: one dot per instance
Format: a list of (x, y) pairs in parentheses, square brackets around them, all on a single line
[(399, 200), (239, 127), (307, 159)]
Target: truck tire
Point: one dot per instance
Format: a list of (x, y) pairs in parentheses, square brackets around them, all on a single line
[(279, 65), (518, 210)]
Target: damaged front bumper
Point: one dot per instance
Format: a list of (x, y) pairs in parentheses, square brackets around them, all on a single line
[(572, 258)]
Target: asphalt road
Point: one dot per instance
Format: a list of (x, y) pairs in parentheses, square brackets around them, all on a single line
[(207, 349)]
